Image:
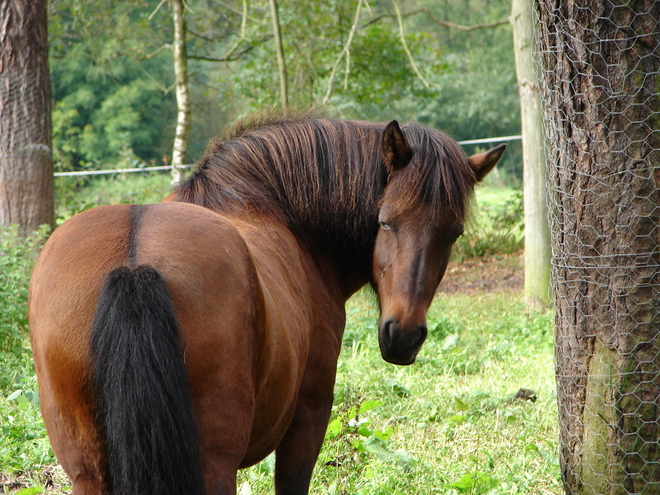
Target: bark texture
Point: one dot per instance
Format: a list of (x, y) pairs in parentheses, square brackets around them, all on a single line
[(537, 231), (601, 88), (26, 166)]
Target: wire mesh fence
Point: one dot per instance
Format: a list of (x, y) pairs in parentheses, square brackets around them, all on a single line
[(600, 75)]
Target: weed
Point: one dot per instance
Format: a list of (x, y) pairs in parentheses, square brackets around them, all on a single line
[(496, 226), (17, 255)]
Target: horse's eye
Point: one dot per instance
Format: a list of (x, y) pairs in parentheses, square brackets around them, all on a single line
[(385, 226), (456, 235)]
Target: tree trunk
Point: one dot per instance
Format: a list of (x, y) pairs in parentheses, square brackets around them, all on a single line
[(26, 165), (537, 231), (281, 63), (602, 100), (182, 133)]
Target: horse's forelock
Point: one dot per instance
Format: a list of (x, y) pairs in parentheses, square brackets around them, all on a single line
[(438, 175)]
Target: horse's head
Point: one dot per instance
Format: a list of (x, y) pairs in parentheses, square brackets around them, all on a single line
[(421, 215)]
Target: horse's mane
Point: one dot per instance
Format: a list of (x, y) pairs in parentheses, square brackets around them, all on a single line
[(323, 178)]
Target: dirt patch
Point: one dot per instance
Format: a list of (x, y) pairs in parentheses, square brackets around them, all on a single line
[(484, 274), (50, 478)]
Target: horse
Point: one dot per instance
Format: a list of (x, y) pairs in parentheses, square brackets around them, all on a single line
[(176, 343)]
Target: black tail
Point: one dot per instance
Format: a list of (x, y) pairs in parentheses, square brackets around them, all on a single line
[(141, 388)]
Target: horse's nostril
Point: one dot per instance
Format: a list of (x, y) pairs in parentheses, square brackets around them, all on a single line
[(422, 332), (387, 332)]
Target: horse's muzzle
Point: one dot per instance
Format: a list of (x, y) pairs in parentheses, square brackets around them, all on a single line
[(398, 345)]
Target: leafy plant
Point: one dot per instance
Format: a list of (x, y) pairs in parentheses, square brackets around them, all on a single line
[(17, 255), (24, 442), (350, 429), (496, 228), (76, 194)]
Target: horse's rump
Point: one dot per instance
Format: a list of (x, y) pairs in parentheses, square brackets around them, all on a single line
[(201, 280)]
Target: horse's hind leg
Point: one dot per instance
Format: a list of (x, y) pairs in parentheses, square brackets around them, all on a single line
[(73, 434)]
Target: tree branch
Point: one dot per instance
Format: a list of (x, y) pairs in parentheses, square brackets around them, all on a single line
[(429, 14), (227, 6), (206, 38), (405, 46), (151, 55), (230, 56), (465, 28), (279, 49), (374, 20), (156, 10), (344, 51)]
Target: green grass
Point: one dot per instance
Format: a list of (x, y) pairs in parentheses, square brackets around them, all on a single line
[(22, 438), (495, 226), (446, 425)]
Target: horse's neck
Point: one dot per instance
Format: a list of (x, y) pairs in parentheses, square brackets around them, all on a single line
[(272, 244), (350, 273)]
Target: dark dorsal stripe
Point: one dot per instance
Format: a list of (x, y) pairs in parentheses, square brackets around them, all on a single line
[(135, 221)]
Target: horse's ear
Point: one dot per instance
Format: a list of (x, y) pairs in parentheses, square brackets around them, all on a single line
[(483, 163), (396, 150)]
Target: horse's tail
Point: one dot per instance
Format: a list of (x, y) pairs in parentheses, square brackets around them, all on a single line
[(141, 389)]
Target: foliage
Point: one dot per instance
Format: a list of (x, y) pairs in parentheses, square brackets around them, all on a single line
[(496, 226), (108, 94), (24, 443), (377, 71), (17, 255), (76, 194), (112, 70)]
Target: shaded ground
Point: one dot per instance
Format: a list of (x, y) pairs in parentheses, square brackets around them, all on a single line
[(484, 274), (51, 478)]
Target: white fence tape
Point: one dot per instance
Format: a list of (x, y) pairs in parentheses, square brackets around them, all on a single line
[(167, 167)]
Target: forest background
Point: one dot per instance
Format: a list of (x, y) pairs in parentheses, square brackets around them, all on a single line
[(113, 75)]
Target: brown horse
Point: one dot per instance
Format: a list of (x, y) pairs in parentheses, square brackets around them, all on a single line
[(178, 342)]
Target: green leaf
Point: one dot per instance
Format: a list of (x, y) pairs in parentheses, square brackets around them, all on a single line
[(15, 395), (460, 405), (368, 405), (334, 428), (384, 435), (33, 490), (364, 431)]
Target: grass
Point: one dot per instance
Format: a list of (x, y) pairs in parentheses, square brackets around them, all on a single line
[(446, 425), (496, 226)]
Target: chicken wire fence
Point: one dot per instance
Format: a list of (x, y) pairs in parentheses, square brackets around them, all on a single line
[(599, 67)]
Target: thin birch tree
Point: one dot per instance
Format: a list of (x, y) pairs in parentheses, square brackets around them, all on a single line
[(183, 121)]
